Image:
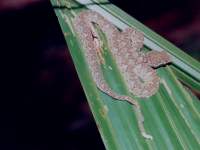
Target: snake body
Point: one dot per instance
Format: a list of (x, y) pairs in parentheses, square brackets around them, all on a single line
[(134, 65)]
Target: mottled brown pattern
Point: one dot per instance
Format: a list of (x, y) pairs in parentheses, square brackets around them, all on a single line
[(135, 66)]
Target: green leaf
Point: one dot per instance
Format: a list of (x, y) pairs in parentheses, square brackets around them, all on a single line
[(172, 115)]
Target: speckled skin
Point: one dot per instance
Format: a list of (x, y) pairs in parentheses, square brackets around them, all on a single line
[(135, 66)]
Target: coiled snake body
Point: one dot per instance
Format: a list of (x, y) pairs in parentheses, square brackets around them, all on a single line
[(134, 65)]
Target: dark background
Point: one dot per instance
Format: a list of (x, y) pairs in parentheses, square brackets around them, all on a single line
[(42, 103)]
